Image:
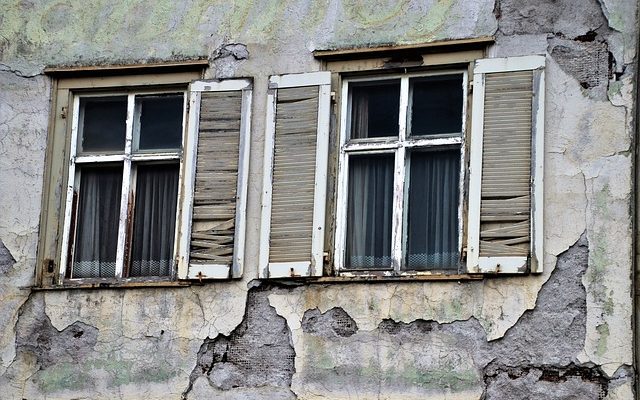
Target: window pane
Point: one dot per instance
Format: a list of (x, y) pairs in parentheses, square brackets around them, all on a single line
[(369, 211), (374, 109), (103, 123), (160, 121), (97, 222), (432, 218), (436, 105), (154, 220)]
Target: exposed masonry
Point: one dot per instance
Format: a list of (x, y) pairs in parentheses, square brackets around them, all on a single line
[(37, 337), (226, 59), (6, 259), (579, 41), (257, 353), (334, 322)]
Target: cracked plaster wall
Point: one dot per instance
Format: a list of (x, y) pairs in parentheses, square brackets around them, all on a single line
[(147, 341)]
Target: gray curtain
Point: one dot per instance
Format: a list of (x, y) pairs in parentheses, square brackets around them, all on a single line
[(359, 117), (154, 221), (369, 211), (97, 222), (432, 235)]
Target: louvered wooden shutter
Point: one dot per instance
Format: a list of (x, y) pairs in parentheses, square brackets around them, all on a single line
[(506, 166), (214, 189), (295, 165)]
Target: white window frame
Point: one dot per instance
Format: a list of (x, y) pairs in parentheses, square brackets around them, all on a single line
[(399, 147), (128, 180)]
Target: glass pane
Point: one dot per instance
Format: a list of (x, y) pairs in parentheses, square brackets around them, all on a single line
[(103, 123), (374, 109), (154, 220), (436, 105), (369, 211), (432, 218), (160, 121), (97, 222)]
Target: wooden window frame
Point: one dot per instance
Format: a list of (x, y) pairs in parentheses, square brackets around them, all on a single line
[(398, 147), (67, 85)]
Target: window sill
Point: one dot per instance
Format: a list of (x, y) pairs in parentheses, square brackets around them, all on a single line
[(113, 284), (383, 279)]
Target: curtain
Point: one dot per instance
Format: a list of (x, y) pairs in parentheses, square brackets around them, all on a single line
[(154, 220), (359, 115), (369, 211), (432, 231), (97, 222)]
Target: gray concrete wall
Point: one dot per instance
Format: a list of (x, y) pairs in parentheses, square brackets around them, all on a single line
[(565, 334)]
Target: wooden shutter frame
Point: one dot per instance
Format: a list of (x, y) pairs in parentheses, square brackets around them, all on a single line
[(315, 266), (214, 271), (475, 263)]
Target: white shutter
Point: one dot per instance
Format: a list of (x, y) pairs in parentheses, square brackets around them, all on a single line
[(505, 233), (214, 185), (295, 175)]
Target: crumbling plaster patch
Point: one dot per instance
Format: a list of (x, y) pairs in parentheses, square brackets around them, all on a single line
[(429, 359)]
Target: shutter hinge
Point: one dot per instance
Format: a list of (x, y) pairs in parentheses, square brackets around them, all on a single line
[(333, 97), (63, 113)]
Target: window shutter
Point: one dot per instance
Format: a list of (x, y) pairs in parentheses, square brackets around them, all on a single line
[(506, 176), (295, 165), (214, 188)]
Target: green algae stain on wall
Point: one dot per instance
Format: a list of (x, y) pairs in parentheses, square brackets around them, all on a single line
[(63, 376), (375, 12), (603, 331), (73, 376)]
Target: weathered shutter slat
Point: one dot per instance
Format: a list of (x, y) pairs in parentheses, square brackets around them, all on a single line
[(505, 232), (220, 114), (295, 179), (213, 222)]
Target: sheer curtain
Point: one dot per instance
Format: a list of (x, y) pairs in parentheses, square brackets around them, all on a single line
[(97, 222), (432, 234), (154, 221), (370, 209), (359, 116)]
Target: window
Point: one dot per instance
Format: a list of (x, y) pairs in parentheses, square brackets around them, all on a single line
[(123, 184), (146, 178), (399, 204), (418, 190)]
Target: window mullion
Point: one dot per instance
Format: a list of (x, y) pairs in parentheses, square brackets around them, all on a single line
[(399, 178), (126, 187)]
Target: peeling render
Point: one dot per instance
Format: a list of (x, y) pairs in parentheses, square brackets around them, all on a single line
[(565, 334)]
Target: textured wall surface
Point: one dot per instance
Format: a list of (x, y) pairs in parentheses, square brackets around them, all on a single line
[(564, 334)]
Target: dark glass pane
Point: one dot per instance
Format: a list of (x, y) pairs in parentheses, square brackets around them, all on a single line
[(98, 215), (369, 211), (436, 105), (160, 121), (103, 123), (374, 109), (432, 219), (154, 220)]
